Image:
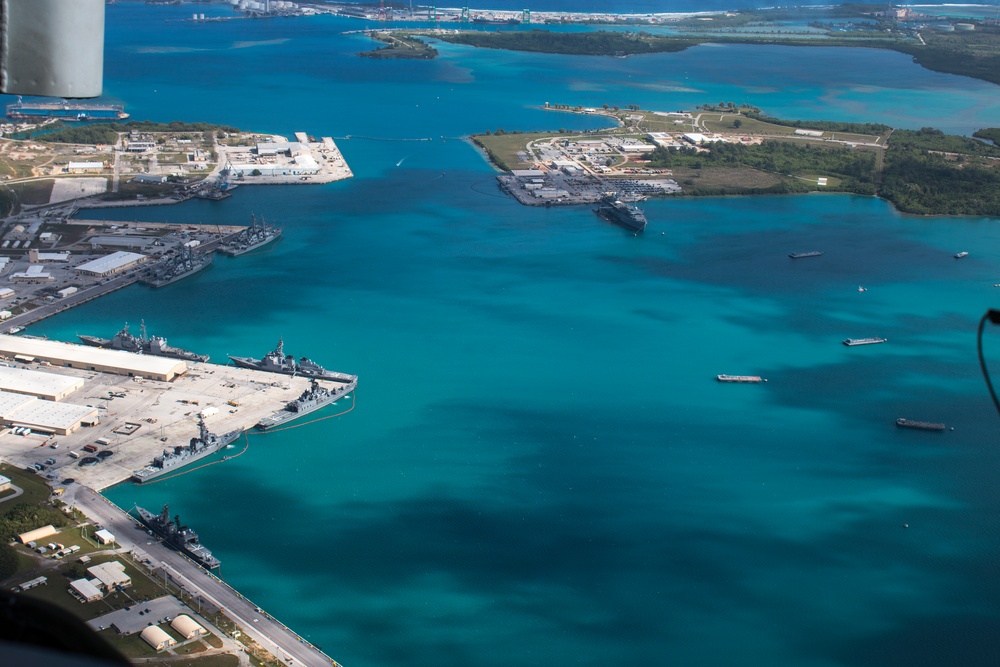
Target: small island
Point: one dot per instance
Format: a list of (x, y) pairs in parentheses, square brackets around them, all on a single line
[(726, 149)]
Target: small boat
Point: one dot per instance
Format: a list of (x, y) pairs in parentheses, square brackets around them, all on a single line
[(960, 255), (800, 255), (862, 289)]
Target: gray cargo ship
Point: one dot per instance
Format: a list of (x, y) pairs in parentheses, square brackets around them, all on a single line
[(177, 536), (312, 399), (185, 263), (629, 216), (141, 344), (254, 237), (173, 459), (277, 361)]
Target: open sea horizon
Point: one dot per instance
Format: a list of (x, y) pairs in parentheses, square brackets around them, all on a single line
[(541, 468)]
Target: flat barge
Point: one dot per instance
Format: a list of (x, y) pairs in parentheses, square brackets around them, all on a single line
[(800, 255), (923, 426), (851, 342), (745, 379)]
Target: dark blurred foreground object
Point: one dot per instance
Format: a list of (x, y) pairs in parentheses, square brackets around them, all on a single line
[(35, 632), (52, 47)]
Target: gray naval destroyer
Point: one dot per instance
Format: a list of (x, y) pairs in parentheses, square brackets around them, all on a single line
[(185, 263), (177, 536), (202, 445), (277, 361), (141, 344), (257, 235), (627, 215), (312, 399)]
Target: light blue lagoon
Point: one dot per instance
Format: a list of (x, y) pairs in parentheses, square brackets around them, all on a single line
[(541, 468)]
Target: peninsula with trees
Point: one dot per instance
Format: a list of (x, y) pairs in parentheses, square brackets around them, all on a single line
[(725, 149)]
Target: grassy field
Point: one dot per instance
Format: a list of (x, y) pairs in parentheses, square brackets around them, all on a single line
[(735, 179), (143, 588), (36, 491), (33, 192), (506, 146)]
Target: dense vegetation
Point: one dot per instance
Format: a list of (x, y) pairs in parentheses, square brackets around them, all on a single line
[(600, 43), (975, 53), (824, 125), (400, 45), (8, 202), (989, 133), (27, 516), (107, 133), (927, 171)]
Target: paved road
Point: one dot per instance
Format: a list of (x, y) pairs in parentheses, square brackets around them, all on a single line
[(59, 305), (266, 631)]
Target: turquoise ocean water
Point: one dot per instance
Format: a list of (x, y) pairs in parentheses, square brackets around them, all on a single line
[(541, 468)]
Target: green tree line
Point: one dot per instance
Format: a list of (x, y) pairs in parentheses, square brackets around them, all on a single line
[(107, 133)]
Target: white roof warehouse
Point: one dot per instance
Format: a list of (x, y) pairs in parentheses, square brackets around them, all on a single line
[(92, 358), (108, 265)]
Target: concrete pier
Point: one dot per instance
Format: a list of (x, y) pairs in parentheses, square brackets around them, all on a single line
[(166, 412)]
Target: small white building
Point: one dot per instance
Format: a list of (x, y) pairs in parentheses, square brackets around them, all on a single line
[(67, 291), (104, 537), (6, 292), (4, 483)]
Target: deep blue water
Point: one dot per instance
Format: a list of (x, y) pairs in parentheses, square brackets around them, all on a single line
[(541, 468)]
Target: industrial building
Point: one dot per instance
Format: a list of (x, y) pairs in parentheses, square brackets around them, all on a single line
[(18, 409), (111, 575), (36, 534), (157, 638), (49, 386), (188, 627), (51, 417), (36, 273), (149, 178), (111, 264), (85, 167), (85, 590), (91, 358)]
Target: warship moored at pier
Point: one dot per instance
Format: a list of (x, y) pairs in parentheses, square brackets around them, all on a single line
[(627, 215), (312, 399), (277, 361), (202, 445), (185, 263), (254, 237), (141, 344), (177, 536), (70, 111)]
